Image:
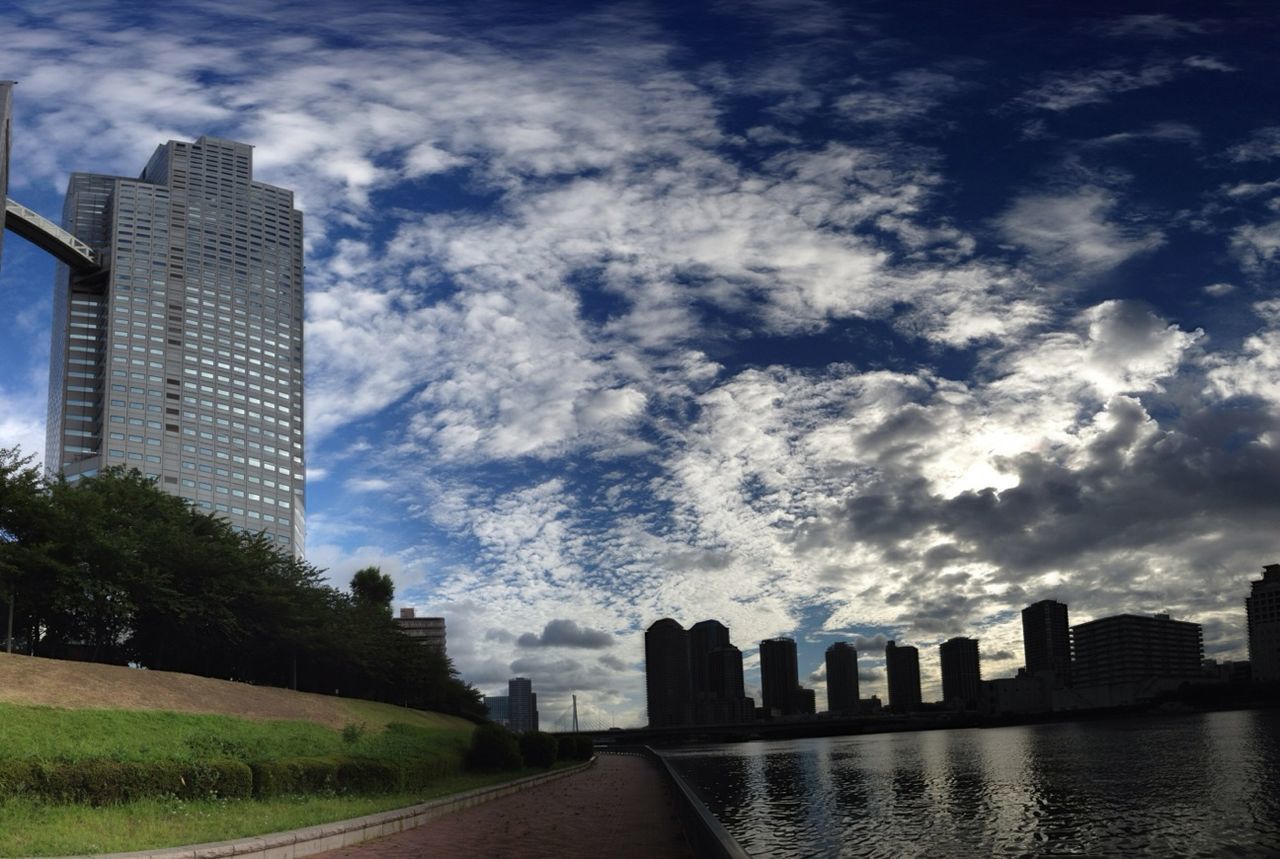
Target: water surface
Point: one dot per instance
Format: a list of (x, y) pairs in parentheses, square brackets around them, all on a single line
[(1199, 785)]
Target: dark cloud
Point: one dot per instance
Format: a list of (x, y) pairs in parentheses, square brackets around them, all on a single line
[(566, 633), (1000, 654), (610, 661)]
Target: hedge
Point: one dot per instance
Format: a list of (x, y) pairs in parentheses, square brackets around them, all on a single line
[(538, 749), (575, 747), (104, 781), (494, 748)]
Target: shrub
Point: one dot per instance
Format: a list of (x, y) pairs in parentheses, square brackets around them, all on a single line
[(293, 776), (419, 772), (493, 748), (575, 747), (101, 781), (538, 749), (367, 775), (352, 732)]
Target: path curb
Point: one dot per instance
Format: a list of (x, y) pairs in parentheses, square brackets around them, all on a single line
[(343, 833)]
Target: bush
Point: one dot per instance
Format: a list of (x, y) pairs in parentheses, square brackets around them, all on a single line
[(538, 749), (293, 776), (367, 775), (493, 748), (101, 781), (419, 772), (575, 747)]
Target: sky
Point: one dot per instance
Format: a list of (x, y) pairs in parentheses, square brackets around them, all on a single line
[(841, 321)]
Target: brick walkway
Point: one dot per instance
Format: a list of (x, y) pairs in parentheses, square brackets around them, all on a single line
[(619, 808)]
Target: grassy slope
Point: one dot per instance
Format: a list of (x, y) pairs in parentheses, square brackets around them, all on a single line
[(59, 710), (82, 685)]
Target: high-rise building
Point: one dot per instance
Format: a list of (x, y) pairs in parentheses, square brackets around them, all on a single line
[(715, 676), (666, 674), (842, 678), (522, 705), (704, 638), (6, 138), (498, 707), (961, 672), (779, 676), (729, 703), (1046, 640), (902, 666), (180, 354), (1262, 607), (430, 631), (1128, 648)]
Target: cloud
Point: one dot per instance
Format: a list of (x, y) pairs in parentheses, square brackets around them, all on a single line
[(566, 633), (1067, 91), (1152, 26), (1075, 231), (1262, 145)]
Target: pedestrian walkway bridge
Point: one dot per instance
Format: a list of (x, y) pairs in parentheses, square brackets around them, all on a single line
[(48, 236)]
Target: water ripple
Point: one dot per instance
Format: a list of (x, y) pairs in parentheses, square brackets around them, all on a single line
[(1186, 786)]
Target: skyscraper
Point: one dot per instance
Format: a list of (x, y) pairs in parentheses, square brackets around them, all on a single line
[(961, 672), (1046, 640), (704, 637), (181, 354), (666, 674), (522, 705), (779, 676), (902, 665), (1262, 607), (842, 678)]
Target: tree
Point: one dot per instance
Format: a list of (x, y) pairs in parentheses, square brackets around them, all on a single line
[(372, 588)]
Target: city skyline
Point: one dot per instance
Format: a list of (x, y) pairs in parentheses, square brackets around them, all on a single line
[(831, 323)]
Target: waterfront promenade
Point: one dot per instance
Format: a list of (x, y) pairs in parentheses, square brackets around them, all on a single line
[(620, 807)]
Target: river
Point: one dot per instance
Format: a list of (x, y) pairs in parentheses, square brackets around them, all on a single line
[(1190, 785)]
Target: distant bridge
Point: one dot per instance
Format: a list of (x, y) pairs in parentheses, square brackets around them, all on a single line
[(48, 236)]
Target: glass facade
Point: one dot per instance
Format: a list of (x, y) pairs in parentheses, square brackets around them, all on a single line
[(182, 355)]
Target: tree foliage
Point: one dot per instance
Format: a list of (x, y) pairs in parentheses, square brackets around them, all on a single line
[(110, 568)]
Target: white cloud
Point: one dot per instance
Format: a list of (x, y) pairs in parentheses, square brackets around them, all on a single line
[(1076, 231)]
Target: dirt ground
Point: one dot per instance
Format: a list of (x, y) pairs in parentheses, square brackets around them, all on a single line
[(84, 685)]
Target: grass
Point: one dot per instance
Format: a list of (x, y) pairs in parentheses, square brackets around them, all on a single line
[(48, 733), (31, 829)]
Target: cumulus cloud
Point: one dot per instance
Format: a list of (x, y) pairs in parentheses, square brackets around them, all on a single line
[(566, 633)]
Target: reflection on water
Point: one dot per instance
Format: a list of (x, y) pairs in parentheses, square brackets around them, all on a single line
[(1179, 786)]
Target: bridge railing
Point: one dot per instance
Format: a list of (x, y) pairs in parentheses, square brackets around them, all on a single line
[(38, 229)]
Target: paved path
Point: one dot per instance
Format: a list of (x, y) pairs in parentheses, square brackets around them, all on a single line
[(617, 809)]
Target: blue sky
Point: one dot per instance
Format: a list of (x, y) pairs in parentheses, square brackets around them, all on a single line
[(834, 320)]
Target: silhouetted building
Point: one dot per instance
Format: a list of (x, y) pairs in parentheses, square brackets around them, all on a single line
[(1020, 695), (522, 705), (704, 638), (842, 678), (902, 666), (728, 703), (1129, 648), (961, 672), (1262, 607), (779, 676), (428, 631), (498, 707), (804, 702), (666, 674), (1046, 640)]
